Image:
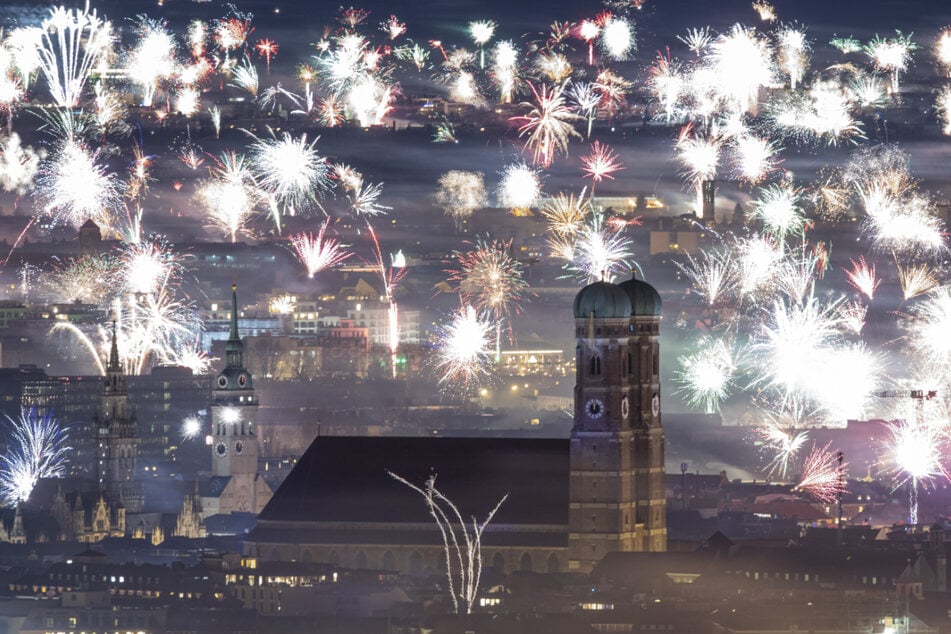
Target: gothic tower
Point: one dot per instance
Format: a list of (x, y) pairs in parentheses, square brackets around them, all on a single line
[(617, 457), (117, 442), (234, 447)]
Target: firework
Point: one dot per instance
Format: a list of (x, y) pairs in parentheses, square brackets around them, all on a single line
[(290, 170), (853, 316), (846, 45), (755, 158), (778, 209), (413, 53), (490, 279), (600, 252), (231, 33), (697, 40), (713, 275), (793, 53), (318, 252), (504, 69), (668, 85), (370, 101), (520, 187), (364, 199), (37, 448), (152, 59), (72, 43), (901, 224), (393, 27), (445, 133), (267, 48), (824, 111), (282, 304), (891, 55), (943, 107), (707, 376), (617, 38), (916, 456), (927, 329), (231, 195), (785, 445), (741, 61), (917, 280), (823, 474), (463, 349), (765, 11), (18, 164), (461, 193), (862, 277), (699, 155), (942, 49), (74, 186), (245, 77), (601, 163), (85, 279), (586, 98), (868, 92), (191, 428), (481, 32), (758, 259), (566, 214), (589, 30)]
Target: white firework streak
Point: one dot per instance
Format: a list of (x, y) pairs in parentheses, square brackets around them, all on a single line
[(38, 448), (462, 546)]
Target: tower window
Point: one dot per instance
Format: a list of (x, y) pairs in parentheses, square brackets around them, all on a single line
[(595, 364), (630, 363)]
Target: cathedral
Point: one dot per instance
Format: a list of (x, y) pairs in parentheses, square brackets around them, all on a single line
[(567, 502), (235, 485)]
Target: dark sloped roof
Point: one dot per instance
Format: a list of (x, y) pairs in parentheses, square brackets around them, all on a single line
[(214, 486), (344, 479)]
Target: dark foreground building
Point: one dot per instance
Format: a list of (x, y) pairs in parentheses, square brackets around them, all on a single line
[(569, 502)]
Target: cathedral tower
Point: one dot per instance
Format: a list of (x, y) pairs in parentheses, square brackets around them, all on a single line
[(234, 447), (617, 455), (117, 441)]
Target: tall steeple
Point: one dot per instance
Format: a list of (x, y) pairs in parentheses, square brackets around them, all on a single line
[(117, 437), (234, 347)]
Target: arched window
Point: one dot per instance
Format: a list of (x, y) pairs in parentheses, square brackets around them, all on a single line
[(498, 562), (389, 561), (630, 363), (552, 563), (415, 563), (525, 563), (595, 364)]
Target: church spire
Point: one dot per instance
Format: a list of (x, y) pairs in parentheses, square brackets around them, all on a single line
[(234, 313), (114, 365)]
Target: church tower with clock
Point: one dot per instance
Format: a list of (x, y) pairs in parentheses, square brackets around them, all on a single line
[(616, 479), (236, 486)]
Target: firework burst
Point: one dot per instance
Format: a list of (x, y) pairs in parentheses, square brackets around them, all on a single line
[(318, 252), (38, 448), (464, 350), (548, 125), (823, 474)]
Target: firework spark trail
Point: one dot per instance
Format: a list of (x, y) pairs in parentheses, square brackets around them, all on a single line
[(191, 428), (566, 214), (152, 59), (617, 38), (699, 156), (742, 62), (390, 276), (37, 448), (463, 349), (927, 328), (231, 195), (778, 208), (467, 572), (916, 279), (713, 275), (793, 53), (19, 164), (785, 445), (600, 252), (290, 170), (862, 277), (755, 158), (461, 193), (74, 186), (72, 44), (601, 163), (708, 376), (823, 476), (915, 454), (520, 187), (318, 252), (490, 279), (549, 124), (891, 55)]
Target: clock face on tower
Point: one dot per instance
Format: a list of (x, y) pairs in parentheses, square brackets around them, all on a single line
[(221, 450), (238, 447), (625, 407), (655, 405), (242, 379), (594, 408), (222, 381)]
